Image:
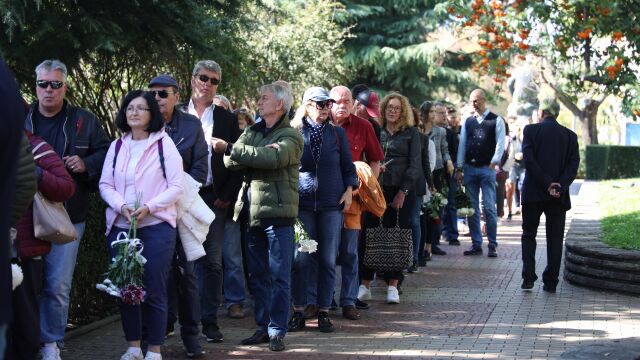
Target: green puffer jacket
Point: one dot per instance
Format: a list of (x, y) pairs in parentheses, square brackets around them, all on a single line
[(271, 174)]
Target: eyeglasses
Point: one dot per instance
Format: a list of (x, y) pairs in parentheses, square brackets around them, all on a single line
[(139, 109), (163, 94), (394, 109), (46, 83), (327, 104), (205, 78)]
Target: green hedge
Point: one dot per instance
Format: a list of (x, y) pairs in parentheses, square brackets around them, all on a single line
[(612, 162), (87, 304)]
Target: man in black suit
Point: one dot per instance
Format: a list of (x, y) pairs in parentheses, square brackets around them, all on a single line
[(219, 191), (551, 161)]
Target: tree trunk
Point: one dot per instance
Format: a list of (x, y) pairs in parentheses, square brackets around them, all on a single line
[(588, 117)]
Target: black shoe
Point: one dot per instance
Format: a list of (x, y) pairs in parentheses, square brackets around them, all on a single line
[(549, 289), (324, 323), (413, 268), (361, 305), (454, 242), (526, 285), (493, 253), (192, 347), (334, 305), (427, 256), (297, 322), (435, 250), (473, 251), (422, 262), (258, 337), (276, 343), (212, 333), (509, 217)]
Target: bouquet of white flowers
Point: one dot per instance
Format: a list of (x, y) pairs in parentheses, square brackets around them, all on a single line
[(303, 239), (463, 203), (124, 278), (437, 202)]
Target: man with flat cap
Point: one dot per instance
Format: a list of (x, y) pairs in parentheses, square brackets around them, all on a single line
[(186, 132), (551, 159)]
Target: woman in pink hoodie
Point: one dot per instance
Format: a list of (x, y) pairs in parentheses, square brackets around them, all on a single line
[(144, 168)]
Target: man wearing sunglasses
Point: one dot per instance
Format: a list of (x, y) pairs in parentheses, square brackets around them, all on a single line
[(186, 132), (76, 135), (219, 191)]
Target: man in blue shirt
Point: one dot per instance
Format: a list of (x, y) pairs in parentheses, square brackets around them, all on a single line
[(479, 152)]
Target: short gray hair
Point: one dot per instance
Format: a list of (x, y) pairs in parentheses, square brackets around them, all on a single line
[(281, 92), (51, 65), (224, 100), (209, 65)]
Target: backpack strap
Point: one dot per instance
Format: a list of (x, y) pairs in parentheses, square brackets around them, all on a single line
[(115, 157), (160, 154)]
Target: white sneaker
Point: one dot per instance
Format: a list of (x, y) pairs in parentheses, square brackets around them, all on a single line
[(392, 295), (132, 355), (364, 293), (152, 356), (50, 353)]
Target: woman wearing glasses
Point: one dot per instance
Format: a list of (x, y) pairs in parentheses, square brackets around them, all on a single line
[(402, 153), (142, 178), (327, 179)]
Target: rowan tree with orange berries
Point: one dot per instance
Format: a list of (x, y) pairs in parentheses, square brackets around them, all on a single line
[(588, 49)]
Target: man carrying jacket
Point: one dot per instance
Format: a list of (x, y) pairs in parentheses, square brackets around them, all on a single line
[(269, 153), (76, 135), (219, 191), (186, 132)]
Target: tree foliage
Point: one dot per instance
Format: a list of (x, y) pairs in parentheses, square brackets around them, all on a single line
[(589, 49), (389, 49)]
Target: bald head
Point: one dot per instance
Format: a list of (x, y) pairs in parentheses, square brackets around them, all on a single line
[(344, 103), (478, 100)]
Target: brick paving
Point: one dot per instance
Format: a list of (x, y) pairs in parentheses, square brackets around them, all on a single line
[(456, 308)]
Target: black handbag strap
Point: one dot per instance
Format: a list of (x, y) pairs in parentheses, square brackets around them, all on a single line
[(397, 220)]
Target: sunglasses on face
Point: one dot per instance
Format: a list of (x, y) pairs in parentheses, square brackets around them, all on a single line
[(162, 94), (46, 83), (205, 78), (327, 104)]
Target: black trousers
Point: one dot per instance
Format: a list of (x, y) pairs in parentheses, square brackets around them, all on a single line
[(555, 216), (23, 335)]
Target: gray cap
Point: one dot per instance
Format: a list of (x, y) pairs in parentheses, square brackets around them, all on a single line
[(316, 93), (164, 80)]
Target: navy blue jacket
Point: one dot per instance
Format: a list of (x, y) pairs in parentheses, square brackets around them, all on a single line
[(334, 171), (186, 132), (550, 154)]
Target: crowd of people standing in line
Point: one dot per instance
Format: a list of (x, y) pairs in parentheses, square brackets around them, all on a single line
[(259, 175)]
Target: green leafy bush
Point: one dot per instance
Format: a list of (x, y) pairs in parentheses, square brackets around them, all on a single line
[(612, 162)]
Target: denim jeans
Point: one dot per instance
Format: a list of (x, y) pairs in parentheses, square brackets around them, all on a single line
[(416, 229), (325, 227), (183, 296), (476, 179), (54, 301), (270, 254), (159, 246), (3, 343), (450, 218), (232, 260), (348, 256), (209, 269)]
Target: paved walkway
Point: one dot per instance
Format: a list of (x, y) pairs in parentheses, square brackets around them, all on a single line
[(456, 308)]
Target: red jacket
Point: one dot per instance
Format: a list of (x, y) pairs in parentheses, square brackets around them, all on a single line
[(55, 183)]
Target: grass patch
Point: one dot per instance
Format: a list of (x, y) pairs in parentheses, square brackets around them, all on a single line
[(620, 205)]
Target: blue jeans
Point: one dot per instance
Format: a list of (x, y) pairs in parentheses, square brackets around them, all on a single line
[(325, 227), (159, 246), (54, 300), (476, 179), (450, 218), (416, 229), (348, 254), (3, 337), (270, 254), (232, 259)]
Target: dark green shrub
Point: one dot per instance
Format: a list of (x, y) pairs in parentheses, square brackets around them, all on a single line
[(87, 304), (612, 162)]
